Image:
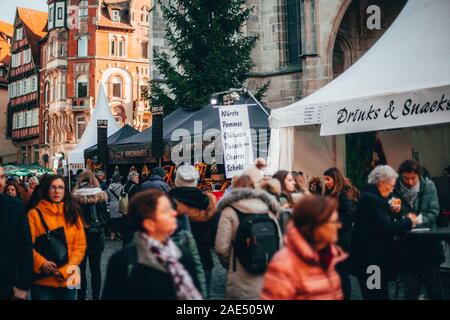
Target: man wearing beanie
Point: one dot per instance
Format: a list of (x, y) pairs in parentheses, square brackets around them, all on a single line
[(156, 180)]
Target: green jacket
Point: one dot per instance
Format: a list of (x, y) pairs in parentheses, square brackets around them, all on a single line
[(186, 239), (426, 203), (417, 254)]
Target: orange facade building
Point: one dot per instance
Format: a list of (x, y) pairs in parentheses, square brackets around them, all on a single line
[(7, 149), (89, 41), (23, 75)]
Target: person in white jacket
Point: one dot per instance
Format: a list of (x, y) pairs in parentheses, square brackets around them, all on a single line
[(241, 285)]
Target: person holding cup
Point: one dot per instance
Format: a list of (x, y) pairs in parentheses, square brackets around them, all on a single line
[(373, 245)]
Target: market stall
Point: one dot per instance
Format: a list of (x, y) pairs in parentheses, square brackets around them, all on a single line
[(194, 137), (399, 88)]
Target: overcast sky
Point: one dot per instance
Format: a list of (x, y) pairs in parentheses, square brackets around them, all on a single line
[(8, 7)]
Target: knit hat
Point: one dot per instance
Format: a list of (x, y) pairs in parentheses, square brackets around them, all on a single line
[(191, 196), (159, 171), (187, 176)]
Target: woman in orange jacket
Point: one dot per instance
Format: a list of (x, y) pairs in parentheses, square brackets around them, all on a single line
[(57, 209), (304, 269)]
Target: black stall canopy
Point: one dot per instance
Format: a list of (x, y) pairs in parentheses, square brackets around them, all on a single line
[(137, 148), (125, 132)]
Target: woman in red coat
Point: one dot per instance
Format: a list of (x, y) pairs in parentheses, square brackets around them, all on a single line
[(305, 268)]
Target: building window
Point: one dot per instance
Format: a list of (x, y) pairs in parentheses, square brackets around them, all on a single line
[(83, 9), (35, 117), (19, 33), (46, 132), (18, 116), (50, 15), (293, 31), (47, 93), (55, 49), (82, 46), (82, 87), (144, 14), (113, 47), (60, 13), (62, 51), (63, 87), (121, 48), (80, 126), (25, 86), (19, 88), (144, 50), (117, 87), (116, 15)]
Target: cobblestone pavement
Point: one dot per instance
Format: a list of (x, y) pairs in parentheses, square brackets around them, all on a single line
[(218, 279)]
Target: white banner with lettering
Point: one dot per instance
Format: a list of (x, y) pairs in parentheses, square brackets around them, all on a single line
[(406, 109), (236, 138)]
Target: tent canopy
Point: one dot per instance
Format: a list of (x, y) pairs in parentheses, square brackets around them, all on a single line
[(402, 81), (102, 111), (411, 57), (125, 132), (209, 117)]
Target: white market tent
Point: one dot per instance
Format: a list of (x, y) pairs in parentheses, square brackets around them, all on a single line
[(101, 111), (409, 64)]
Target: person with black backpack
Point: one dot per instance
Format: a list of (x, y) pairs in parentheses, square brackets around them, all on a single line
[(92, 201), (248, 236)]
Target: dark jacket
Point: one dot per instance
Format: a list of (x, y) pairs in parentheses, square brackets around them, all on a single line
[(417, 254), (93, 204), (131, 189), (373, 238), (156, 182), (347, 208), (16, 258), (134, 274)]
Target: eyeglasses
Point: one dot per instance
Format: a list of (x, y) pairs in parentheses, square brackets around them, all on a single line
[(57, 188)]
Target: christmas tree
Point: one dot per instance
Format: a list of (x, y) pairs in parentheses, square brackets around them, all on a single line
[(212, 54)]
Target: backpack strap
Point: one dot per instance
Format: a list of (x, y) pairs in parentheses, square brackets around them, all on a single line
[(41, 217)]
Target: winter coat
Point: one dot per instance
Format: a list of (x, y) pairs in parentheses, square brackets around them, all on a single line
[(201, 225), (156, 182), (346, 210), (296, 273), (132, 189), (185, 239), (417, 254), (53, 214), (133, 273), (16, 258), (93, 201), (373, 238), (241, 284), (114, 191)]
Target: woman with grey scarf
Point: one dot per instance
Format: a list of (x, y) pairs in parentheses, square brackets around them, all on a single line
[(419, 258)]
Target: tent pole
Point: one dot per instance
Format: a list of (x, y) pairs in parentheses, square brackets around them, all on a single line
[(259, 104)]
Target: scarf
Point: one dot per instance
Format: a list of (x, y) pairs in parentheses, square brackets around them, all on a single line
[(166, 257), (410, 194)]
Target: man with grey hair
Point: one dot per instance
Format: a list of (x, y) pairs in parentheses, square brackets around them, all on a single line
[(33, 182), (132, 187), (373, 247)]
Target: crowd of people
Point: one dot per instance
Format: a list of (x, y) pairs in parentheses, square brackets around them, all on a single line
[(278, 236)]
